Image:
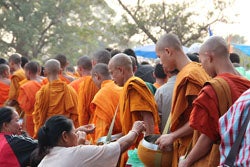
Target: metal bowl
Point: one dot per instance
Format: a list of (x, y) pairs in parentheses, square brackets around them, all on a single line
[(149, 142), (102, 140)]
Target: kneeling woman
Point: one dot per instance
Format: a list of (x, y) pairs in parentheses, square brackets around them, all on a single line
[(15, 149), (59, 141)]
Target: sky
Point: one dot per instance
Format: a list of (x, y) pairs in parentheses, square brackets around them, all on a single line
[(241, 25)]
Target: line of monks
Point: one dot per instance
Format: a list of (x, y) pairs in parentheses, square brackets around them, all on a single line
[(105, 84)]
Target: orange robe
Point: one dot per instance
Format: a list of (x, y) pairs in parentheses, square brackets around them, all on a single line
[(76, 83), (103, 107), (189, 82), (55, 98), (205, 114), (156, 85), (87, 91), (134, 98), (16, 78), (4, 92), (26, 100)]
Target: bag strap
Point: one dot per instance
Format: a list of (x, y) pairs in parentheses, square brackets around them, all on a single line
[(111, 127), (235, 148)]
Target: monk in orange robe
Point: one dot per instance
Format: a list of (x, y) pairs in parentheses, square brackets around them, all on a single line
[(105, 102), (84, 67), (88, 89), (54, 98), (189, 82), (4, 83), (17, 76), (214, 100), (64, 76), (27, 93), (136, 100)]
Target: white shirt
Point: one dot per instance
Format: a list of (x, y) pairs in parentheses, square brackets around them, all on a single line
[(83, 156)]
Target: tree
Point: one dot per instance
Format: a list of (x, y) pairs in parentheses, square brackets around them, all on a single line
[(180, 18), (44, 28)]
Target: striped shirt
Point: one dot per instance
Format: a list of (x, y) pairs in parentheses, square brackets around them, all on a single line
[(230, 124)]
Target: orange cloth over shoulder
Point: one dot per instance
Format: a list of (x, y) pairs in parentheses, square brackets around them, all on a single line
[(26, 100), (17, 77), (55, 98), (87, 91), (104, 106), (4, 93), (76, 83)]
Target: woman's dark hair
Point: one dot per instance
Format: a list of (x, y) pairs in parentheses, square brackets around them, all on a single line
[(49, 135), (5, 115)]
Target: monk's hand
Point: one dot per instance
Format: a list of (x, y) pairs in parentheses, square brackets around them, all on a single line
[(165, 142), (90, 128), (183, 163), (81, 137), (138, 127)]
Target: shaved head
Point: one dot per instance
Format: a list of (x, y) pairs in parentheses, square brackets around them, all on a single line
[(121, 60), (101, 69), (169, 40), (3, 69), (15, 58), (33, 67), (216, 45), (52, 66), (102, 56), (85, 63)]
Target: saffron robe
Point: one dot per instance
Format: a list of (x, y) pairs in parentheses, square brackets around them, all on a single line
[(26, 100), (4, 92), (189, 82), (87, 91), (55, 98), (103, 107), (76, 83), (206, 113), (136, 97), (16, 78)]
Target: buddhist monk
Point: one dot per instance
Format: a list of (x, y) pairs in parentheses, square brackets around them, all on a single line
[(16, 77), (84, 66), (105, 102), (189, 82), (88, 89), (136, 101), (214, 100), (54, 98), (27, 93), (4, 83), (64, 76)]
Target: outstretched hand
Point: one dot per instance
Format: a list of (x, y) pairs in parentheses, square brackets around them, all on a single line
[(165, 142), (90, 128), (138, 127)]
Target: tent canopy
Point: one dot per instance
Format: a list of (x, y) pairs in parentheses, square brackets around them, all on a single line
[(243, 48), (148, 51)]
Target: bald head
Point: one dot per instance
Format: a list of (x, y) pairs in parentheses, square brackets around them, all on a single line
[(3, 69), (62, 59), (102, 56), (121, 60), (215, 45), (33, 67), (101, 69), (52, 67), (85, 63), (169, 40), (15, 58)]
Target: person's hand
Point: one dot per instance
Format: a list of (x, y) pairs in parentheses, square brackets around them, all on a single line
[(138, 127), (165, 142), (81, 137), (90, 128), (183, 163)]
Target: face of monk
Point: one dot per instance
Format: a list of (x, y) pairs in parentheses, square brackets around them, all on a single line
[(116, 74), (166, 58), (206, 62)]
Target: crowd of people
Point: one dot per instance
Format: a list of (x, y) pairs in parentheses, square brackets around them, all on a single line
[(53, 115)]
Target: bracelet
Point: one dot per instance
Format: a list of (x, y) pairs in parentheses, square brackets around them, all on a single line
[(135, 132)]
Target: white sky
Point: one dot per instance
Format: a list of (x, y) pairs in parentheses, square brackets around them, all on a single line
[(241, 24)]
